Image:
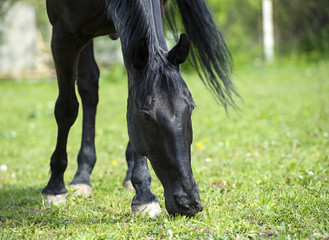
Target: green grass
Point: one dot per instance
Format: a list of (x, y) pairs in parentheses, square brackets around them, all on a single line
[(262, 172)]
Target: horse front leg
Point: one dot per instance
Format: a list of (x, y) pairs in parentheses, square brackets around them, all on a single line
[(130, 163), (65, 50), (88, 76), (144, 201)]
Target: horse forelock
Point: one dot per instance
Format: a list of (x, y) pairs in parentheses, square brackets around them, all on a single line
[(162, 78)]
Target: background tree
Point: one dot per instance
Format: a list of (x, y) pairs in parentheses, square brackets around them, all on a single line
[(302, 28)]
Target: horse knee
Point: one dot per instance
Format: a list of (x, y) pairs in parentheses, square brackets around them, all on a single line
[(58, 163), (66, 112)]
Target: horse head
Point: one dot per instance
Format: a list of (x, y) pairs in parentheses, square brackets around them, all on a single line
[(159, 113)]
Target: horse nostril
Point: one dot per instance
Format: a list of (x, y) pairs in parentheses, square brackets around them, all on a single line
[(181, 202)]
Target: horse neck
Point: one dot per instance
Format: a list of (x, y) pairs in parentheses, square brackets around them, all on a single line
[(137, 19)]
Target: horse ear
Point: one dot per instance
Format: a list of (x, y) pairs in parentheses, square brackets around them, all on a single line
[(180, 52), (140, 54)]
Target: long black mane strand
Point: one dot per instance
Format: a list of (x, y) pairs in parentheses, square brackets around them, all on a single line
[(210, 55), (133, 21)]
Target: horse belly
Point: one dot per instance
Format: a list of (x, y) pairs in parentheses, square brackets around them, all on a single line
[(83, 17)]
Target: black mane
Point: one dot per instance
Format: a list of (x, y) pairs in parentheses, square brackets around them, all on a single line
[(211, 57), (133, 23)]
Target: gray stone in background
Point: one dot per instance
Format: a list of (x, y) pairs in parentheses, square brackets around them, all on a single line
[(25, 54), (18, 33), (107, 51)]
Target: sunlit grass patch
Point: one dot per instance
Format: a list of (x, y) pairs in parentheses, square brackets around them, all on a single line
[(263, 172)]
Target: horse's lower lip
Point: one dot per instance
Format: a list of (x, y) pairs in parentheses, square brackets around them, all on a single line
[(189, 212), (186, 211)]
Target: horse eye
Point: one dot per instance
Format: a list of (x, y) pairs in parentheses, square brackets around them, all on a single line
[(146, 118)]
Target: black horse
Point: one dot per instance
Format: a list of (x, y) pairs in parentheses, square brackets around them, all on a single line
[(159, 103)]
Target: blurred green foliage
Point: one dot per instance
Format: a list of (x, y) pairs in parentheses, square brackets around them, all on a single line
[(241, 24), (301, 27)]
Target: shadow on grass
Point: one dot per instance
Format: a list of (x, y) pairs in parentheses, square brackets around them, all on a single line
[(19, 204), (13, 195), (21, 207)]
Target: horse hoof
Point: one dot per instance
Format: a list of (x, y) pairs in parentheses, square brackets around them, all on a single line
[(54, 199), (81, 190), (153, 209), (128, 185)]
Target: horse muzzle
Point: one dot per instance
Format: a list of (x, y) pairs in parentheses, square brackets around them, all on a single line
[(183, 199)]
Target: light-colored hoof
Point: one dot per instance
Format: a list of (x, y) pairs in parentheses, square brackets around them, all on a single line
[(81, 190), (153, 209), (54, 199), (128, 185)]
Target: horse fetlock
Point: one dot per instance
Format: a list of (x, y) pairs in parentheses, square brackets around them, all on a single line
[(55, 186)]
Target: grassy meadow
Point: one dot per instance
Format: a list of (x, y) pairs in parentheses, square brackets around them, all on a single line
[(263, 171)]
